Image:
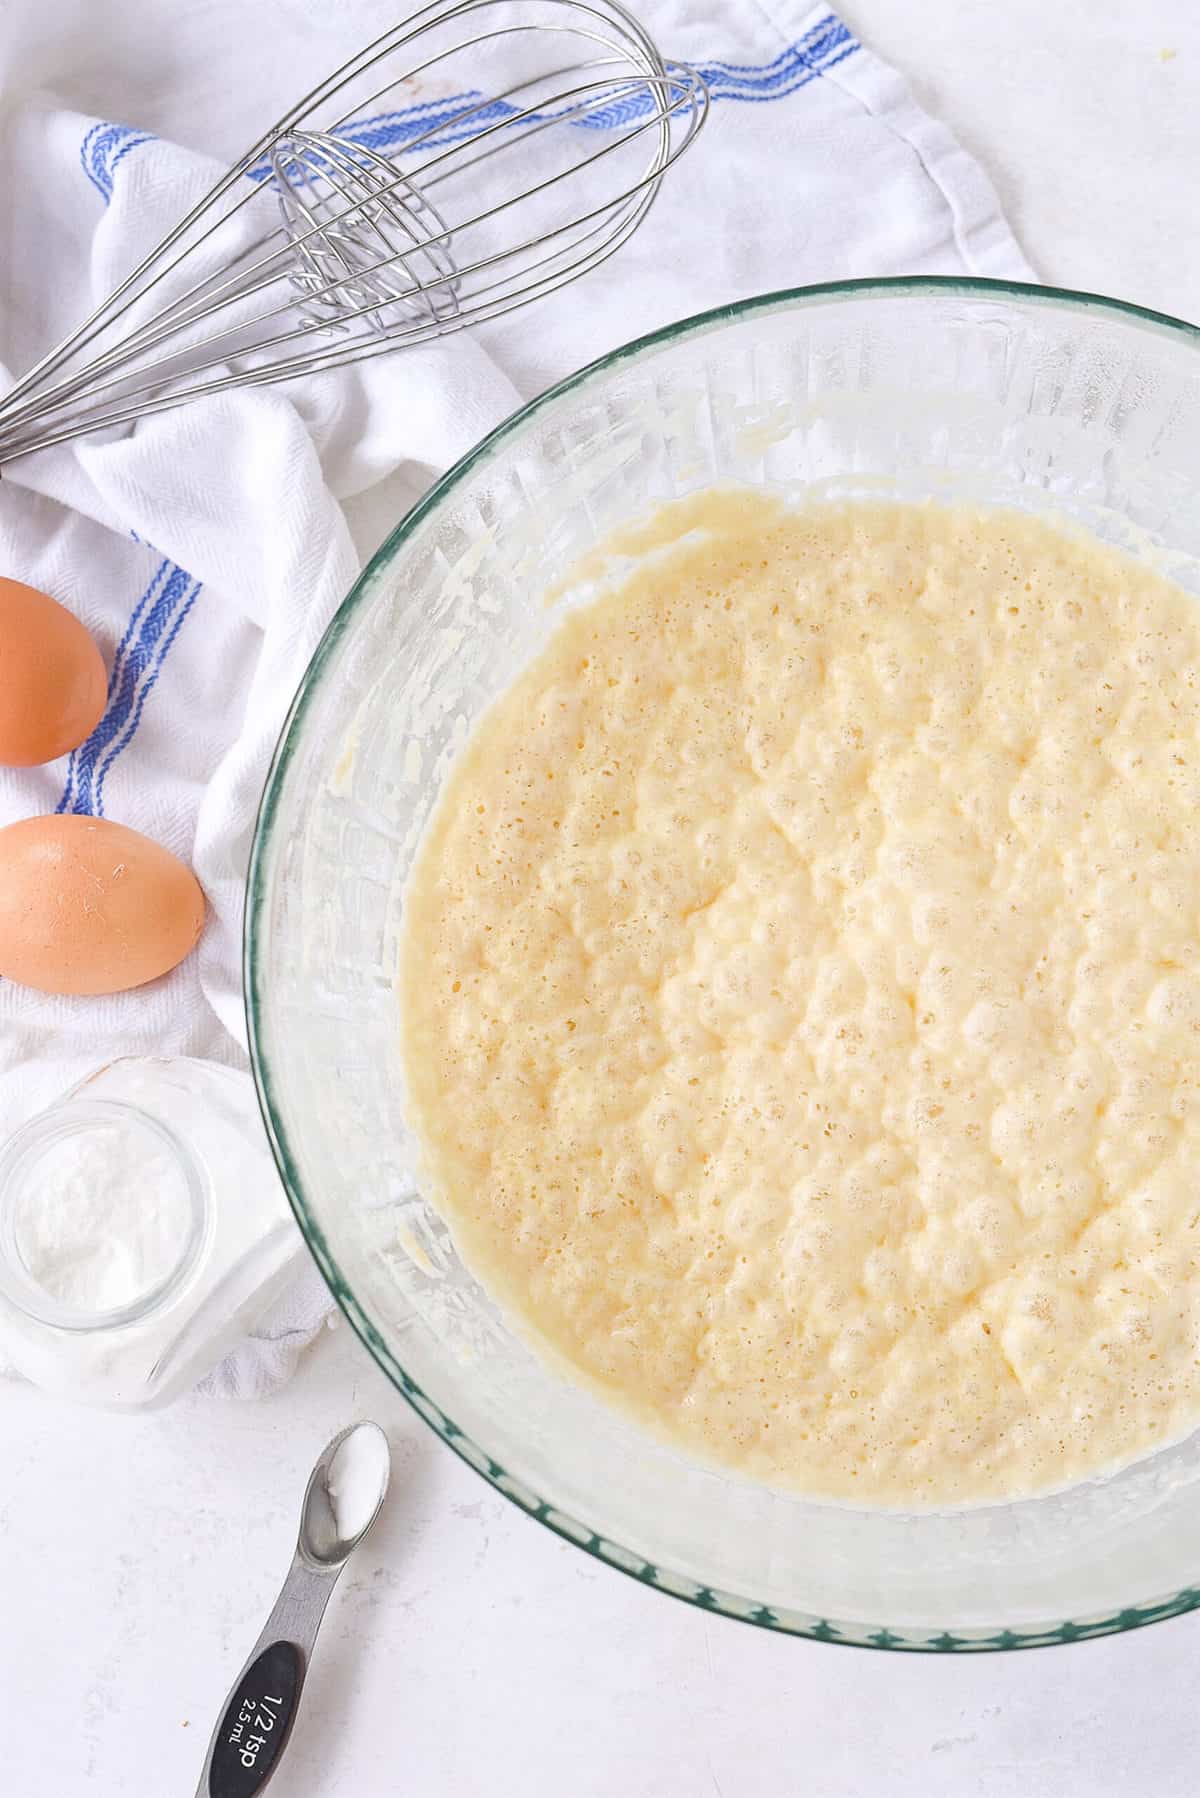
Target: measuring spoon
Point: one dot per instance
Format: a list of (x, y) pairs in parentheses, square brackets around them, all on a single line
[(344, 1496)]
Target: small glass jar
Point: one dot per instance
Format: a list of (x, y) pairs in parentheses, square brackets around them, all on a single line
[(143, 1228)]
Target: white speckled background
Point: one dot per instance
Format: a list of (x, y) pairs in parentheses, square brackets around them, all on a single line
[(468, 1651)]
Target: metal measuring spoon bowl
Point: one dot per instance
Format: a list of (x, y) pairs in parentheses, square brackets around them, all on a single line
[(344, 1496)]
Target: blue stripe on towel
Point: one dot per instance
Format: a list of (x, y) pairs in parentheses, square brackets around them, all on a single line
[(67, 802), (103, 149), (144, 691), (821, 48), (153, 626)]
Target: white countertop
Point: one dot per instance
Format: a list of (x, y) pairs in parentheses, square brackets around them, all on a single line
[(468, 1651)]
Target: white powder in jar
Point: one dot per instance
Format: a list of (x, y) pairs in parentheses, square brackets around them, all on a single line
[(105, 1216), (143, 1228)]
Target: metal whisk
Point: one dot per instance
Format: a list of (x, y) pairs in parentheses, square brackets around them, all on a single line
[(399, 201)]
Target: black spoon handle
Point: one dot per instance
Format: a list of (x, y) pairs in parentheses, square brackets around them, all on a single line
[(248, 1742)]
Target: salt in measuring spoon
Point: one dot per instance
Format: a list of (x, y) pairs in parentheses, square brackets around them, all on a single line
[(345, 1494)]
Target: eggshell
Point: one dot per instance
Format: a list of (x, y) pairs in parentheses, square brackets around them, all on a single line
[(52, 679), (87, 906)]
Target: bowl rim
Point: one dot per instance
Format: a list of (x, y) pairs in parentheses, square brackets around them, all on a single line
[(849, 1633)]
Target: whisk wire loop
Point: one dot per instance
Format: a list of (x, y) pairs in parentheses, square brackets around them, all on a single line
[(343, 232)]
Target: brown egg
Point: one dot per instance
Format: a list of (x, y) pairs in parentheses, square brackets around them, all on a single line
[(52, 679), (92, 907)]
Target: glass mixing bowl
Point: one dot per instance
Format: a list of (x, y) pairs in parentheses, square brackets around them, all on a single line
[(951, 389)]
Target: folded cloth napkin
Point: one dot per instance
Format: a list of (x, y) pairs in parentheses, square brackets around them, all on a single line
[(208, 548)]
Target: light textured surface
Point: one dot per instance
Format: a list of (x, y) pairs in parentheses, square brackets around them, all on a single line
[(469, 1652), (1085, 118), (847, 1130)]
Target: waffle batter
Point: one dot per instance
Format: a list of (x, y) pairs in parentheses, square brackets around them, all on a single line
[(801, 998)]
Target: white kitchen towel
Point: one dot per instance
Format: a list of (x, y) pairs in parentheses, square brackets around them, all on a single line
[(208, 548)]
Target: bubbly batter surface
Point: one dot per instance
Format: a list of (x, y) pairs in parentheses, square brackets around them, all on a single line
[(801, 988)]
